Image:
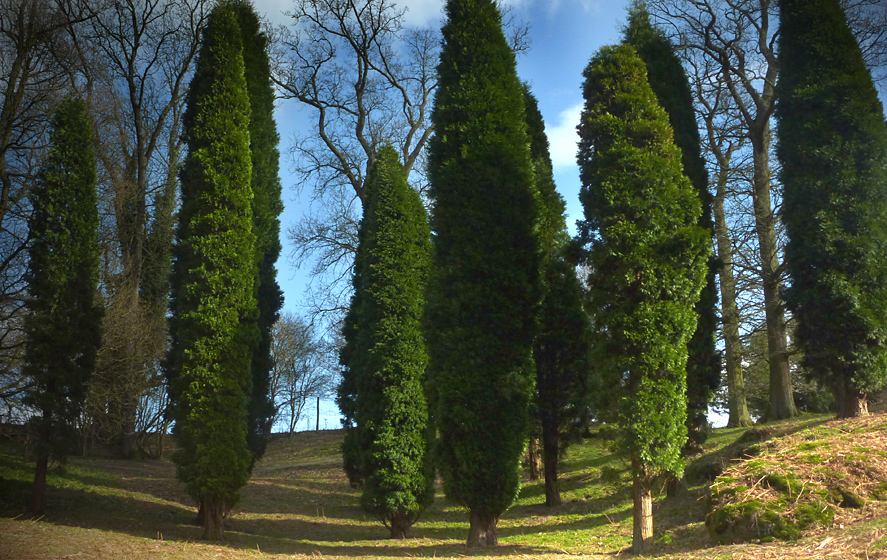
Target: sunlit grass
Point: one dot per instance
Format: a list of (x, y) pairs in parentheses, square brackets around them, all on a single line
[(299, 504)]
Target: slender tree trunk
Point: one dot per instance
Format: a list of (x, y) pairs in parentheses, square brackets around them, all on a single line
[(400, 525), (736, 398), (213, 519), (642, 493), (782, 404), (550, 459), (317, 422), (534, 458), (482, 529), (38, 490), (850, 402)]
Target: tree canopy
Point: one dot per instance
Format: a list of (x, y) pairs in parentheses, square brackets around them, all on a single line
[(484, 285), (833, 149), (214, 307), (648, 258)]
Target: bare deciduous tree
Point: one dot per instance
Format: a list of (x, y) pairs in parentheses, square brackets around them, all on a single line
[(305, 367), (367, 80), (136, 59)]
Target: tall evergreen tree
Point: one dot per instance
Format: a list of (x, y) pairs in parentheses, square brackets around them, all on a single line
[(63, 326), (833, 149), (672, 88), (484, 285), (388, 357), (214, 308), (648, 259), (562, 345), (266, 206)]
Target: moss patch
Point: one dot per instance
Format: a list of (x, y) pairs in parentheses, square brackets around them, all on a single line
[(784, 490)]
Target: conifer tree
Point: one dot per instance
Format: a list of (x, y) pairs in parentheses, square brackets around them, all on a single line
[(63, 327), (214, 308), (390, 435), (266, 207), (484, 285), (562, 345), (672, 88), (833, 150), (648, 258)]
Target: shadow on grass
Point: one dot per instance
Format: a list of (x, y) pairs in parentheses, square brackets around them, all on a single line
[(351, 533)]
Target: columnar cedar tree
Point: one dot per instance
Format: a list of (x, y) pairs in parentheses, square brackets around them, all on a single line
[(562, 345), (648, 259), (484, 284), (214, 307), (388, 358), (672, 89), (63, 326), (833, 150), (266, 206)]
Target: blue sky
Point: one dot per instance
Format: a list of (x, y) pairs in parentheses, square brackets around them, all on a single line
[(564, 35)]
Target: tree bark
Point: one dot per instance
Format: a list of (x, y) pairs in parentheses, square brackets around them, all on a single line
[(38, 490), (850, 402), (642, 493), (213, 519), (737, 404), (482, 529), (534, 458), (400, 525), (782, 404), (550, 459)]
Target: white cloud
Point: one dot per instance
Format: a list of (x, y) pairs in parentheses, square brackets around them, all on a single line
[(272, 10), (422, 13), (563, 140)]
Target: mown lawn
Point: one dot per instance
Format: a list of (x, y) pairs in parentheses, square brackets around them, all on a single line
[(298, 505)]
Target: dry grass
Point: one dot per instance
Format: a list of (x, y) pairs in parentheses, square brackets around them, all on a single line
[(833, 474), (298, 505)]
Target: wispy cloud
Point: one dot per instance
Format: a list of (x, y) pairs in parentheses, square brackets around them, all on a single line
[(422, 13), (563, 139)]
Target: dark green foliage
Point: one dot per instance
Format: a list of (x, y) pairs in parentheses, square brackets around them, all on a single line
[(672, 88), (63, 326), (266, 206), (647, 255), (214, 308), (484, 286), (387, 447), (562, 345), (833, 150)]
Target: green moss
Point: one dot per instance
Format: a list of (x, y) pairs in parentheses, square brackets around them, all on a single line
[(810, 458), (879, 492), (810, 445), (818, 513), (784, 483)]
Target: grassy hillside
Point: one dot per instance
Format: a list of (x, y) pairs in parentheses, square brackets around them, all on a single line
[(298, 505)]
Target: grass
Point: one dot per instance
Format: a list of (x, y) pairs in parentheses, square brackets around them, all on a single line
[(299, 505)]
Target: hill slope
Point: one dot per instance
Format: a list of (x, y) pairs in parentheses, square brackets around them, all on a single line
[(299, 505)]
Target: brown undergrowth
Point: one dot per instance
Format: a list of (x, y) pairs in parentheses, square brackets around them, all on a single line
[(831, 474)]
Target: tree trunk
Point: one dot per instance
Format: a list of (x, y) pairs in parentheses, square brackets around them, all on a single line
[(675, 486), (642, 493), (534, 458), (782, 404), (317, 422), (850, 402), (736, 399), (482, 529), (213, 519), (38, 490), (550, 459), (400, 525)]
